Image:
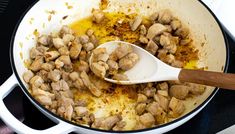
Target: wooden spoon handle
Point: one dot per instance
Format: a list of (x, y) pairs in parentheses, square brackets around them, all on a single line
[(209, 78)]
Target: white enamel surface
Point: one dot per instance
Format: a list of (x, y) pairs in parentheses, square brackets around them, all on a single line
[(156, 69), (202, 25)]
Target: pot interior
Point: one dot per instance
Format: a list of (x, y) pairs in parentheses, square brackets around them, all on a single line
[(43, 18)]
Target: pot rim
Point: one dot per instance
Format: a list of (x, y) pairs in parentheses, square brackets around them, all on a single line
[(110, 131)]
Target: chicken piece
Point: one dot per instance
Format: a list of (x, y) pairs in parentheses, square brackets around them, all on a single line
[(135, 23), (88, 46), (68, 112), (183, 32), (109, 122), (163, 92), (58, 42), (140, 108), (119, 126), (141, 98), (84, 39), (47, 66), (82, 66), (152, 47), (54, 75), (176, 107), (79, 84), (113, 65), (177, 63), (161, 116), (155, 29), (163, 86), (98, 70), (103, 57), (36, 65), (44, 100), (75, 50), (100, 83), (28, 75), (149, 91), (162, 101), (122, 50), (81, 111), (74, 76), (68, 38), (154, 17), (170, 58), (36, 81), (175, 24), (147, 120), (58, 64), (41, 48), (196, 89), (64, 51), (153, 108), (143, 30), (165, 16), (65, 59), (128, 61), (45, 87), (168, 42), (34, 53), (94, 40), (43, 39), (80, 103), (185, 41), (40, 92), (60, 85), (179, 91), (43, 74), (66, 30), (97, 16), (143, 39), (95, 91), (120, 77), (51, 55)]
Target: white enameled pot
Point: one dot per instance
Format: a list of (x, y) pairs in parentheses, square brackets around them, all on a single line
[(47, 15)]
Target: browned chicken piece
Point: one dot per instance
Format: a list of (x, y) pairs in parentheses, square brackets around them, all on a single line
[(88, 46), (176, 107), (152, 47), (43, 74), (157, 111), (28, 75), (44, 100), (165, 16), (121, 51), (170, 58), (143, 30), (169, 43), (169, 28), (179, 91), (103, 57), (143, 39), (81, 111), (153, 108), (147, 120), (140, 108), (66, 30), (196, 89), (40, 92), (94, 40), (68, 112), (68, 38), (98, 69), (135, 23), (175, 24), (185, 41), (82, 66), (58, 63), (51, 55), (65, 59), (183, 32), (43, 39), (109, 122), (45, 87), (42, 48), (128, 61), (149, 91), (163, 92), (58, 42), (98, 16), (64, 51), (177, 63), (60, 85), (119, 126), (74, 76), (155, 29), (84, 39), (120, 77), (100, 83), (79, 84), (162, 101), (94, 90), (36, 65), (154, 17), (162, 86), (161, 116), (36, 81), (141, 98), (34, 53), (48, 66), (54, 75), (75, 50)]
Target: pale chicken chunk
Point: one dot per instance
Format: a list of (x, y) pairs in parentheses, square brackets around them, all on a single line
[(28, 75), (135, 23), (129, 61), (147, 119), (98, 16), (155, 29), (152, 47), (176, 107), (179, 91)]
